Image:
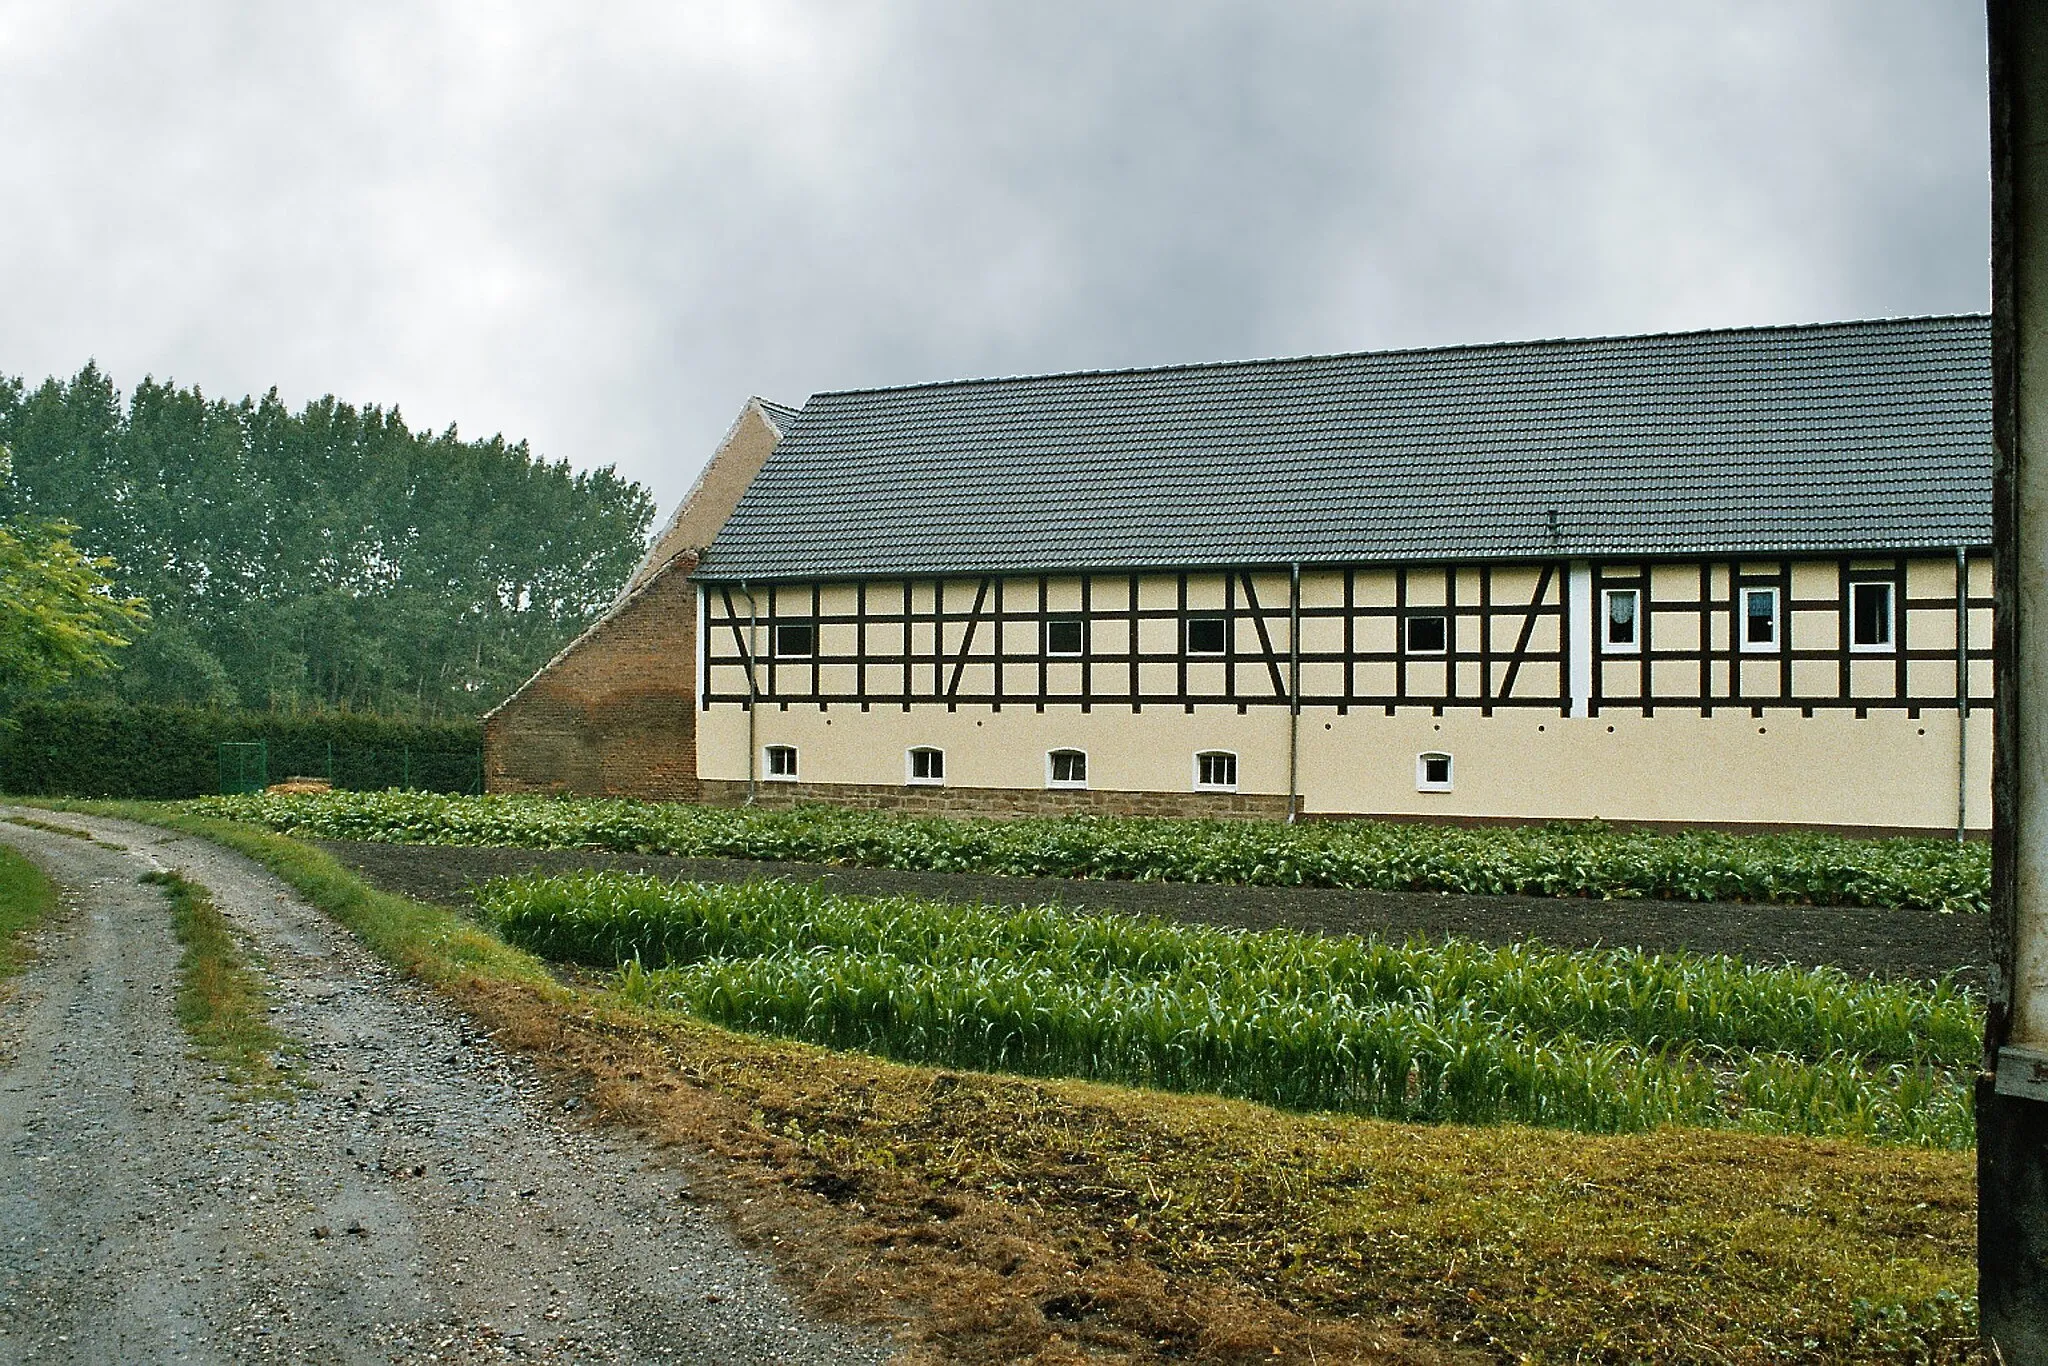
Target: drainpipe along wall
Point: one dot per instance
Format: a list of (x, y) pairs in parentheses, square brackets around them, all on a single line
[(1962, 694), (1294, 694), (753, 687)]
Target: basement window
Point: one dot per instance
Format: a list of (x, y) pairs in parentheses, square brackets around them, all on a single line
[(1759, 618), (779, 762), (1623, 632), (1432, 773), (1063, 635), (1870, 616), (793, 639), (1207, 635), (927, 765), (1066, 768), (1427, 635), (1216, 771)]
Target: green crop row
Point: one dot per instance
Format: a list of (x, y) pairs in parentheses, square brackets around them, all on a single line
[(1603, 1041), (1552, 860)]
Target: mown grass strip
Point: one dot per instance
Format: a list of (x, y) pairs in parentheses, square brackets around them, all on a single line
[(1551, 860), (1022, 1218), (50, 827), (26, 897), (223, 1002)]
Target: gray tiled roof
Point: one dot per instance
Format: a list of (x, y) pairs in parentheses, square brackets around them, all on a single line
[(781, 414), (1840, 437)]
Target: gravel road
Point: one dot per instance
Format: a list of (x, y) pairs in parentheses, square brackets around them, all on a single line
[(422, 1199)]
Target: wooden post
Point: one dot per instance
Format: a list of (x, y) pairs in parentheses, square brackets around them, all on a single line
[(2012, 1093)]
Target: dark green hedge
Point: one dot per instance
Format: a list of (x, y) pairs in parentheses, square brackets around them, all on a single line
[(98, 749)]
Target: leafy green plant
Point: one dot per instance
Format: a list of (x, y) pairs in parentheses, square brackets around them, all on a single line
[(1603, 1041), (1554, 860)]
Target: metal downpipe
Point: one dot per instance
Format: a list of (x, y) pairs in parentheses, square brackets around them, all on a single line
[(753, 687), (1962, 693), (1294, 694)]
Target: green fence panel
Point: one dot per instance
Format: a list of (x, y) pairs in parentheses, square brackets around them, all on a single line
[(244, 766)]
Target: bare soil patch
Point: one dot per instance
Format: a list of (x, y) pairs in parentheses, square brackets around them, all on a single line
[(1898, 944)]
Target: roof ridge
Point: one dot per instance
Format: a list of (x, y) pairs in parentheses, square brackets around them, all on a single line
[(1752, 329)]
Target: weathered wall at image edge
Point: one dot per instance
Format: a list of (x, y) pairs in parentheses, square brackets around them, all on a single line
[(615, 713)]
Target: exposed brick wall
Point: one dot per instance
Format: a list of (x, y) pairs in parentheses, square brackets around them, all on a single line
[(616, 714), (1001, 801)]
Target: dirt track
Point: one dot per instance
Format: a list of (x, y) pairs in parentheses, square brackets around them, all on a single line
[(422, 1199), (1885, 943)]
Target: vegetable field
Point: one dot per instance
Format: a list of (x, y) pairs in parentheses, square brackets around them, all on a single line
[(1554, 860), (1595, 1041)]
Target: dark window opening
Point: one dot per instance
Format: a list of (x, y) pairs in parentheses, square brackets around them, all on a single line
[(927, 765), (1621, 616), (781, 761), (1206, 635), (1069, 766), (1427, 635), (1870, 605), (1433, 772), (794, 639), (1063, 636), (1759, 616)]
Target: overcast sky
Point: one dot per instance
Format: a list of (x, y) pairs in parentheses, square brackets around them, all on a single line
[(601, 226)]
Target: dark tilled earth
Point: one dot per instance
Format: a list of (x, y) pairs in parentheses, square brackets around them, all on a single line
[(1864, 942)]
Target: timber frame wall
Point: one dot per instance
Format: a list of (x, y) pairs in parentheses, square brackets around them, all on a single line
[(1514, 636)]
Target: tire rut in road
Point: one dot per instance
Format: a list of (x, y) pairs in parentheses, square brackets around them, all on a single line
[(419, 1197)]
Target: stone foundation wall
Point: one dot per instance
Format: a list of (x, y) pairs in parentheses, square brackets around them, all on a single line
[(614, 715), (1001, 801)]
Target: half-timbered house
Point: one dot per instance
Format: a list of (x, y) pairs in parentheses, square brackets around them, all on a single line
[(1727, 578)]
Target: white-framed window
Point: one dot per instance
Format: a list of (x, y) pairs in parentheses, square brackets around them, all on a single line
[(1759, 618), (1427, 634), (1216, 771), (779, 762), (1433, 772), (1065, 635), (1622, 631), (1066, 768), (793, 639), (925, 764), (1870, 616), (1207, 635)]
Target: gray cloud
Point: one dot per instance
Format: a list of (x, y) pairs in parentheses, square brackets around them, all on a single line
[(601, 227)]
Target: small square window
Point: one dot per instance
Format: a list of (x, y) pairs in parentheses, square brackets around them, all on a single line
[(927, 765), (1216, 769), (794, 639), (1870, 611), (1759, 618), (779, 761), (1063, 636), (1067, 768), (1207, 635), (1426, 635), (1432, 773), (1622, 633)]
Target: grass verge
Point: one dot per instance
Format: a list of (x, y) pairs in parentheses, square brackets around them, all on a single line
[(26, 896), (223, 1003), (1014, 1220)]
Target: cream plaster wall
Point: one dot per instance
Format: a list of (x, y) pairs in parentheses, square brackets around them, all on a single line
[(1784, 768)]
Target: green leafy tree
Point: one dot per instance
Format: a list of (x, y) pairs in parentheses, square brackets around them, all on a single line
[(60, 617), (326, 558)]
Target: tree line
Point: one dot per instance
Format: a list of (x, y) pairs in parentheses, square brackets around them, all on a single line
[(329, 558)]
